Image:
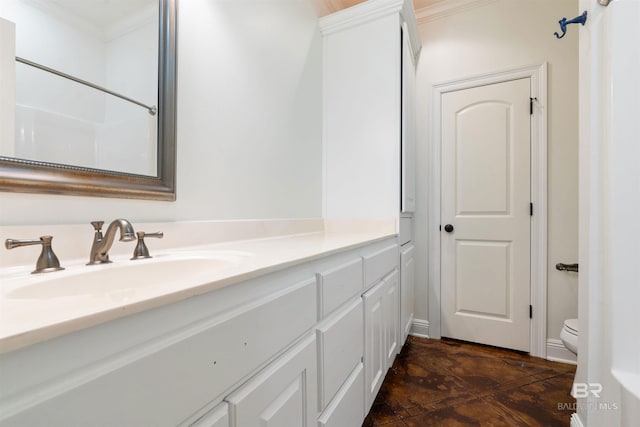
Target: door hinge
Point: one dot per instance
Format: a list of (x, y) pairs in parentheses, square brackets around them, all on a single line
[(531, 105), (530, 312), (530, 209)]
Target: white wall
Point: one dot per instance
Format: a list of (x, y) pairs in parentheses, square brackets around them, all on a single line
[(249, 122), (495, 36)]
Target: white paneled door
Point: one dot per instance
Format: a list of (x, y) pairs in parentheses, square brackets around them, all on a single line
[(485, 214)]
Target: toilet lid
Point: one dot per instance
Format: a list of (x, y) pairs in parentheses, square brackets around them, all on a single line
[(571, 325)]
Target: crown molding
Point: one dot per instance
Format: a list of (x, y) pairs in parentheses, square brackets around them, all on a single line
[(359, 14), (447, 8), (370, 10)]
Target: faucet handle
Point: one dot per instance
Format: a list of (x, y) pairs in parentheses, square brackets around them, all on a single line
[(47, 261), (141, 250), (97, 225)]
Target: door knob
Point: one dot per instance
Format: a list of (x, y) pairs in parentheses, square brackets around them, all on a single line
[(448, 228)]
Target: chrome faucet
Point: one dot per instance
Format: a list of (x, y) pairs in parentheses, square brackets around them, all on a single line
[(102, 244)]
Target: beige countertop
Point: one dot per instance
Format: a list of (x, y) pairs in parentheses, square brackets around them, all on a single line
[(28, 317)]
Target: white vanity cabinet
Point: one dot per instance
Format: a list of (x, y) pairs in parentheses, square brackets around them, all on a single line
[(284, 349), (183, 355)]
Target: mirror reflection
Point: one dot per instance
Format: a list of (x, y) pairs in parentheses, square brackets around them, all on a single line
[(109, 44)]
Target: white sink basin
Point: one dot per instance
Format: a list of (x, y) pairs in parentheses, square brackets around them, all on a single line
[(124, 279)]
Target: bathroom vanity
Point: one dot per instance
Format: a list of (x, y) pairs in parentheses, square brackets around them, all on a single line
[(290, 328), (293, 330)]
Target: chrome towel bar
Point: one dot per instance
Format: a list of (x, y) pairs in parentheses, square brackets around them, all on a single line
[(152, 109)]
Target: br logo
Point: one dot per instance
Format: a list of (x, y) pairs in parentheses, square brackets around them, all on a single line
[(582, 390)]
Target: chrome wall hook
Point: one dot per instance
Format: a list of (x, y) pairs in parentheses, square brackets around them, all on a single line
[(564, 22)]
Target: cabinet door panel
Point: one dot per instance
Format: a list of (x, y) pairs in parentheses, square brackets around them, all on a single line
[(391, 317), (374, 338), (340, 344), (282, 394)]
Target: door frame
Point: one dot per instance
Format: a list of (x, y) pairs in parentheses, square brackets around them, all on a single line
[(538, 75)]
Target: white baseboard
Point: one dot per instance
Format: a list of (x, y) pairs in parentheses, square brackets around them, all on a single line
[(576, 421), (557, 352), (419, 328)]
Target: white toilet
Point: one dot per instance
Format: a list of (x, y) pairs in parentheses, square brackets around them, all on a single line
[(569, 335)]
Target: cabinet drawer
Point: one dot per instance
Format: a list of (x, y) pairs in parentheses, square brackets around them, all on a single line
[(340, 348), (339, 284), (347, 408), (185, 370), (378, 264)]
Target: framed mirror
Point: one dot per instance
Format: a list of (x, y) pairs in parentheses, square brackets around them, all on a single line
[(99, 119)]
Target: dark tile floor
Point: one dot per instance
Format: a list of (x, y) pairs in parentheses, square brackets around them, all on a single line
[(453, 383)]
